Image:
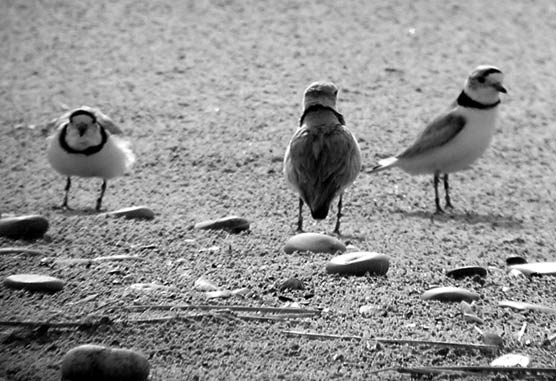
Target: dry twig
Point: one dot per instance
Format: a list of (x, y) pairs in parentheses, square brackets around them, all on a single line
[(437, 343)]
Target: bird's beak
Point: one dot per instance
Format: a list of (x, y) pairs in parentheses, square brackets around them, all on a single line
[(82, 129), (499, 87)]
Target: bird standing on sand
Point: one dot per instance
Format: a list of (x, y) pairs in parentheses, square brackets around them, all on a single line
[(83, 145), (323, 157), (458, 137)]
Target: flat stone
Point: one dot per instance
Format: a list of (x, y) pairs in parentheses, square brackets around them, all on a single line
[(315, 243), (450, 294), (34, 282), (536, 268), (467, 271), (95, 362), (359, 263), (23, 227), (511, 360), (134, 212), (232, 224)]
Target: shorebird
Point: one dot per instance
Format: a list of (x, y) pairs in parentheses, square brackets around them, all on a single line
[(83, 146), (323, 157), (456, 138)]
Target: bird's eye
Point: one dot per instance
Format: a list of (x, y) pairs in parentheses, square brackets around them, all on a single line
[(481, 79)]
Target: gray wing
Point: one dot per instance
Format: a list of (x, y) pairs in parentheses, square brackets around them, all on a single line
[(437, 133)]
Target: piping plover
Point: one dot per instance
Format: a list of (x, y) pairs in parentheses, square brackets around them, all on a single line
[(323, 157), (458, 137), (83, 146)]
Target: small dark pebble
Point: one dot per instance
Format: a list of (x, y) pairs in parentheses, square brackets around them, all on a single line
[(515, 260), (467, 271)]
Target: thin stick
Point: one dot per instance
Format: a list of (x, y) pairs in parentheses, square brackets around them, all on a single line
[(440, 343), (276, 310), (465, 369), (314, 335), (28, 323), (20, 251)]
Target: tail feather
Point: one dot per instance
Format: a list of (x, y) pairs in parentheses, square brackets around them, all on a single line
[(320, 212), (384, 164)]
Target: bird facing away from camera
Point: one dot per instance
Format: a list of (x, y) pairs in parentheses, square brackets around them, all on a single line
[(456, 138), (323, 157), (84, 146)]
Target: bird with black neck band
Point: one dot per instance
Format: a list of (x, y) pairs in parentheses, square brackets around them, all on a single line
[(84, 146), (455, 139), (323, 157)]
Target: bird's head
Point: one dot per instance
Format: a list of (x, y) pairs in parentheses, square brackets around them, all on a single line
[(82, 121), (320, 93), (485, 83), (83, 130)]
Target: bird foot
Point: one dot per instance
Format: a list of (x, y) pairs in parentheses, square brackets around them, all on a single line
[(62, 207)]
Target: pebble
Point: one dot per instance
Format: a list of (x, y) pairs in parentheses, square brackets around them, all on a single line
[(492, 338), (23, 227), (291, 284), (203, 284), (370, 310), (231, 224), (450, 294), (515, 260), (134, 212), (34, 282), (315, 243), (467, 271), (511, 360), (90, 362), (537, 268), (359, 263)]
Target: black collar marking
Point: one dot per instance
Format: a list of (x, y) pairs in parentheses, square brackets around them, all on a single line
[(318, 107), (465, 101), (87, 151)]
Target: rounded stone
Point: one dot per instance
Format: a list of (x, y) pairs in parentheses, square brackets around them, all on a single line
[(232, 224), (359, 263), (34, 282), (450, 294), (536, 268), (467, 271), (23, 227), (315, 243), (515, 260), (133, 212), (90, 362)]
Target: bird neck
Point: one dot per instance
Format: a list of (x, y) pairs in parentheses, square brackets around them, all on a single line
[(465, 100), (315, 117), (86, 151)]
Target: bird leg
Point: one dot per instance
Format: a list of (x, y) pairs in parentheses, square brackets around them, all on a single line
[(66, 189), (337, 228), (436, 198), (300, 216), (102, 190), (447, 190)]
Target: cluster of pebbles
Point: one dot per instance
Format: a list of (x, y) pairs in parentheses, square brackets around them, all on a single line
[(95, 362)]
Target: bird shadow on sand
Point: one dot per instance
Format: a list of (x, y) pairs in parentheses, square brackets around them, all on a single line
[(471, 218), (79, 212)]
